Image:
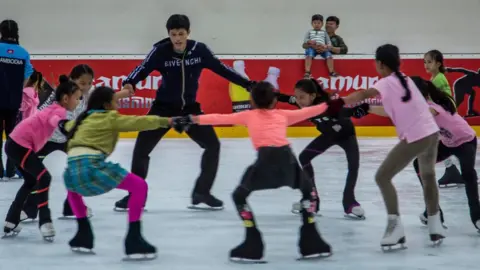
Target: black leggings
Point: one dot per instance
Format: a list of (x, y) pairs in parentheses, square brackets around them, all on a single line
[(49, 148), (8, 120), (275, 167), (204, 136), (350, 146), (466, 154), (35, 174)]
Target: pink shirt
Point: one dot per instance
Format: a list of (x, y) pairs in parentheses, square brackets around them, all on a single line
[(30, 102), (454, 130), (265, 127), (34, 132), (412, 119)]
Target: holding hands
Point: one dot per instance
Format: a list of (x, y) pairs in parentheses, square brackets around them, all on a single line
[(183, 123)]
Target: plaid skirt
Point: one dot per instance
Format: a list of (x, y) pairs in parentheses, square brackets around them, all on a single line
[(91, 175)]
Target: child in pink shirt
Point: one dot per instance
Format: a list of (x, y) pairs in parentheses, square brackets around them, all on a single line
[(276, 166), (30, 99), (457, 138), (28, 137), (418, 134)]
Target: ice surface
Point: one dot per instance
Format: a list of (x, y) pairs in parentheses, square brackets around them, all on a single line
[(188, 239)]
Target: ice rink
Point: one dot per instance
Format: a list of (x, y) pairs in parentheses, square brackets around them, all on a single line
[(193, 240)]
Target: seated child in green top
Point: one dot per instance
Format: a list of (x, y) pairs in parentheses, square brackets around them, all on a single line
[(92, 138)]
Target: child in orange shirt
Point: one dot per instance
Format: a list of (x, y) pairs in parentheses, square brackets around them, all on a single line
[(276, 166)]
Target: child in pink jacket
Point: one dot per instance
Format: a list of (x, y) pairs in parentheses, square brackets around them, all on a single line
[(30, 99)]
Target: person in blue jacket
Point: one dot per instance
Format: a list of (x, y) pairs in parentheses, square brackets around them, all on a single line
[(180, 61), (15, 69)]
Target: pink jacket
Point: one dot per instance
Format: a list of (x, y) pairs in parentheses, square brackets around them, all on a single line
[(34, 132), (30, 102)]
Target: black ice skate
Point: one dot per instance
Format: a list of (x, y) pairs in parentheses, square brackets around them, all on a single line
[(67, 213), (251, 250), (451, 178), (83, 240), (205, 202), (472, 113), (136, 247), (2, 173), (311, 245), (11, 229), (122, 205)]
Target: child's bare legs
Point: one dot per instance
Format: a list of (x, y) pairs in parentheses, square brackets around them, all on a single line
[(327, 55), (310, 53)]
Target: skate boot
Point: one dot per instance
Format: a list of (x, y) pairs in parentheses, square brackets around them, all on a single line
[(354, 211), (82, 242), (435, 229), (205, 202), (122, 205), (451, 178), (67, 212), (45, 224), (475, 217), (472, 113), (11, 229), (424, 218), (30, 210), (394, 234), (136, 247), (297, 207), (311, 245), (251, 250)]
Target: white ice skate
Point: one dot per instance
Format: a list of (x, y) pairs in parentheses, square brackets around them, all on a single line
[(435, 229), (48, 231), (297, 209), (424, 221), (394, 234), (355, 212), (11, 229)]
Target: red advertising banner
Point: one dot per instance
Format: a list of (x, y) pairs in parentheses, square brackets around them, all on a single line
[(214, 90)]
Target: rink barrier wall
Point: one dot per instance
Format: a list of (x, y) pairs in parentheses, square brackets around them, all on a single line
[(353, 65)]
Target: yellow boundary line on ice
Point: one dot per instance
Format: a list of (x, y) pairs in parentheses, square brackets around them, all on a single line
[(293, 132)]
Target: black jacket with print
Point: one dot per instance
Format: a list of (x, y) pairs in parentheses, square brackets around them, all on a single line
[(336, 126), (180, 72)]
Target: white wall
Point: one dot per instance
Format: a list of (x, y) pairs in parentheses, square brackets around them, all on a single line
[(242, 26)]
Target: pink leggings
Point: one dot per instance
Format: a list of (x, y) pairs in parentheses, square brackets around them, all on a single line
[(132, 183)]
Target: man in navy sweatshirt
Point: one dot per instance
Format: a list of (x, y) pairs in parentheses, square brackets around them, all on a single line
[(180, 61), (15, 69)]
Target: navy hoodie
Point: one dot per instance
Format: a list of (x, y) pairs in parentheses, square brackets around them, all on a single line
[(181, 71), (15, 68)]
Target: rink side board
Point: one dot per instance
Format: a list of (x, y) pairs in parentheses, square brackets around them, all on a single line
[(357, 72)]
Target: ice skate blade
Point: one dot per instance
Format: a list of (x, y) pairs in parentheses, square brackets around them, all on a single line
[(123, 210), (453, 185), (314, 257), (204, 207), (247, 261), (436, 239), (12, 234), (82, 250), (393, 248), (140, 257), (71, 217), (354, 217), (298, 213), (28, 220)]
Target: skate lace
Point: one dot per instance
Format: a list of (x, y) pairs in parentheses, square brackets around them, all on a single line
[(391, 225)]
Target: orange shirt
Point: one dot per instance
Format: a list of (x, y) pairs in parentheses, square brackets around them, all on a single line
[(265, 127)]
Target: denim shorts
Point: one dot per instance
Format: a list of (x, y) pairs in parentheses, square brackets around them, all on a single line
[(312, 53)]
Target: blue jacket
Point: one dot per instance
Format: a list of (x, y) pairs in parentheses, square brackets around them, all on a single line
[(180, 72), (15, 68)]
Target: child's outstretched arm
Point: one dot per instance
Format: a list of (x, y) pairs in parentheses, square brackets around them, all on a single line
[(295, 116), (222, 119), (125, 123)]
